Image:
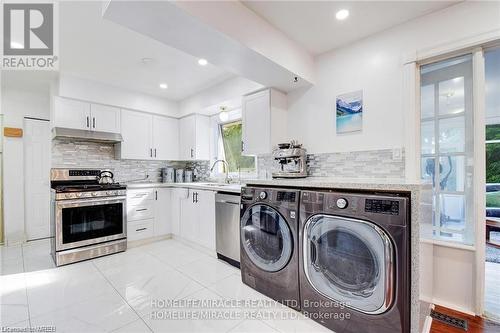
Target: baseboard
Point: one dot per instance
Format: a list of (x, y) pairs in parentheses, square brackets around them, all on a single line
[(140, 242), (453, 307)]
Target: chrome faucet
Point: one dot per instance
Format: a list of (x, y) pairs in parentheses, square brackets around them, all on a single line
[(226, 165)]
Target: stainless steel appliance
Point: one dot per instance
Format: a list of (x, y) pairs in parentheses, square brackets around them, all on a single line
[(227, 227), (354, 261), (269, 242), (88, 219), (179, 175), (168, 175), (291, 159)]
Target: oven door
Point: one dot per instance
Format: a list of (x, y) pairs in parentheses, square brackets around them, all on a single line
[(89, 221)]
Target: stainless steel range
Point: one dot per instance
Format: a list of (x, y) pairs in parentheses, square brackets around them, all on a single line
[(89, 215)]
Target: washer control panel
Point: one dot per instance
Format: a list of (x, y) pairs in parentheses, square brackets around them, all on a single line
[(390, 207)]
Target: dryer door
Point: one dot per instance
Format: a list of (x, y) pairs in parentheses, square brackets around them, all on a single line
[(266, 238), (350, 261)]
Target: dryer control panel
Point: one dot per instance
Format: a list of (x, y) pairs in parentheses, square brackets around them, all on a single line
[(390, 207)]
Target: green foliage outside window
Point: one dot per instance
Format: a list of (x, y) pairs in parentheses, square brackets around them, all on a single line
[(231, 138), (493, 164)]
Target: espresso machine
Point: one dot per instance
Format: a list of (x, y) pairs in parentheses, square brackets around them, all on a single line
[(291, 160)]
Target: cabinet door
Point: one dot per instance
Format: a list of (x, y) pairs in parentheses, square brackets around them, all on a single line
[(136, 132), (165, 138), (187, 138), (202, 148), (105, 118), (69, 113), (256, 120), (205, 209), (163, 212), (178, 195), (188, 218)]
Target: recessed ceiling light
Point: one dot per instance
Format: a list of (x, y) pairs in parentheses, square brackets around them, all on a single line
[(146, 61), (202, 62), (342, 14), (163, 85)]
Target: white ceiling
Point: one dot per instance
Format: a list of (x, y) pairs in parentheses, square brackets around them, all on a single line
[(313, 24), (103, 51)]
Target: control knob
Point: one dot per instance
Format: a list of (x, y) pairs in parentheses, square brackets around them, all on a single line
[(341, 203), (262, 195)]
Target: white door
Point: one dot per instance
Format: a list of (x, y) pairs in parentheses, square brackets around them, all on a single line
[(37, 141), (163, 211), (187, 138), (69, 113), (256, 120), (105, 118), (165, 138), (206, 218), (136, 133)]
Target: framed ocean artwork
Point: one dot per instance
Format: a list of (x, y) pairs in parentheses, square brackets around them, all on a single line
[(350, 112)]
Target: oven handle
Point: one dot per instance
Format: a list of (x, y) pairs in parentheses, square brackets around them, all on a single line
[(84, 201)]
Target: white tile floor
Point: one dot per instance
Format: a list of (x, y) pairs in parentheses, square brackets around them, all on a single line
[(116, 293)]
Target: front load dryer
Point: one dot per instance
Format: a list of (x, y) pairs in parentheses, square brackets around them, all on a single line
[(354, 261)]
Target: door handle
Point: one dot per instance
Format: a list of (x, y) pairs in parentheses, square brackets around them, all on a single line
[(150, 152), (313, 247), (193, 198), (93, 122), (88, 122), (156, 195), (192, 152), (141, 210), (242, 146), (141, 229), (155, 152)]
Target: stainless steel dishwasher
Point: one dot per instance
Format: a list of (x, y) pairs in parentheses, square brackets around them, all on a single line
[(227, 215)]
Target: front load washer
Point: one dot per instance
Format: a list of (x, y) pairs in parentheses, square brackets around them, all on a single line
[(354, 261), (269, 242)]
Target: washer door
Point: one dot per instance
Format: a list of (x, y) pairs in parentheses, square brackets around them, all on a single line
[(349, 261), (266, 238)]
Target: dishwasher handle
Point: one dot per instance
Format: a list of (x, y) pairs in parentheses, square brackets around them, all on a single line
[(228, 202)]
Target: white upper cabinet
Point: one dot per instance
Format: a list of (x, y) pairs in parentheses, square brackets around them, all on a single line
[(136, 132), (264, 121), (69, 113), (194, 138), (165, 138), (148, 137), (105, 118)]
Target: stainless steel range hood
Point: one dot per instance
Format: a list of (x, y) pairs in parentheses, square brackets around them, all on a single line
[(61, 132)]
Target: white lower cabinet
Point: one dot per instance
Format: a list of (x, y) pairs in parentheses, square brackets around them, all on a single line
[(197, 218), (148, 213)]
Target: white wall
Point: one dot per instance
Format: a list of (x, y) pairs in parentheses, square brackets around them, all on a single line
[(375, 65), (227, 93), (83, 89), (17, 104)]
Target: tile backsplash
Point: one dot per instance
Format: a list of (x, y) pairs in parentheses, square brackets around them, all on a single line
[(358, 164), (74, 153), (68, 153)]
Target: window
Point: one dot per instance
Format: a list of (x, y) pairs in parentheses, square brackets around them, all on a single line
[(447, 146), (492, 71), (229, 148)]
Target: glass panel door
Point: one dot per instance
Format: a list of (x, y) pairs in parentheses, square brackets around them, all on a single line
[(266, 238), (349, 261), (447, 146)]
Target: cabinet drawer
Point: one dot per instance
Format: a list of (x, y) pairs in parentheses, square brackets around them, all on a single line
[(145, 210), (137, 197), (140, 230)]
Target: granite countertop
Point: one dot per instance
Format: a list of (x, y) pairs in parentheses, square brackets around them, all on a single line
[(218, 187), (387, 184)]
